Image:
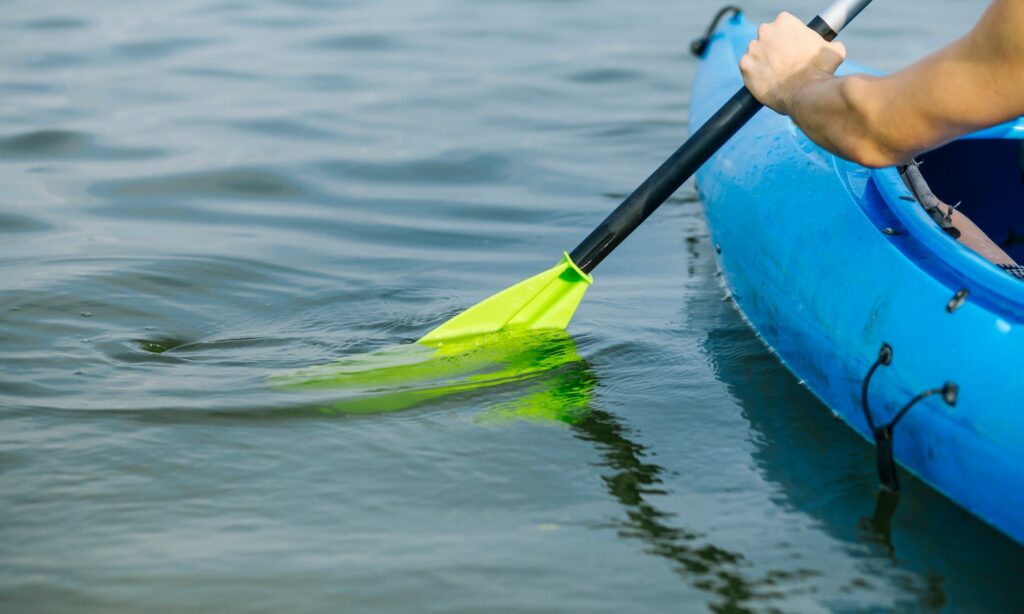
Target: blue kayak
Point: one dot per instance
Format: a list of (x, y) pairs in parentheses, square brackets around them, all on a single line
[(843, 274)]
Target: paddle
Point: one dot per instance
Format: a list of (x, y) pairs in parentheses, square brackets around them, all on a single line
[(549, 299)]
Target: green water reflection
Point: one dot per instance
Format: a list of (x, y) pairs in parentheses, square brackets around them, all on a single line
[(551, 383), (634, 482)]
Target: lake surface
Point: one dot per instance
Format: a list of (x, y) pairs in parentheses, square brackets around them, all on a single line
[(200, 196)]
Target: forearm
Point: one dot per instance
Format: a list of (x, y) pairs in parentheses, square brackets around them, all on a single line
[(789, 68), (882, 121), (846, 115)]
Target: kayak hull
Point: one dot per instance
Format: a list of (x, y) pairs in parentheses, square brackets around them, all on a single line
[(828, 260)]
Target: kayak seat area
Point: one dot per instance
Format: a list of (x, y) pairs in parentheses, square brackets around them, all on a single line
[(987, 177)]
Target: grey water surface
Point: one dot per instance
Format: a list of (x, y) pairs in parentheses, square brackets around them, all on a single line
[(198, 195)]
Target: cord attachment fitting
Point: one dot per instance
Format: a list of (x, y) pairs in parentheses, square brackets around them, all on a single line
[(883, 434), (700, 45)]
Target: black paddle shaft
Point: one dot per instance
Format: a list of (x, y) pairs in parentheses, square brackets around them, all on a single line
[(691, 156)]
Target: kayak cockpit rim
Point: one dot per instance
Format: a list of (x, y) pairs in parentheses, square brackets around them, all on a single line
[(954, 265)]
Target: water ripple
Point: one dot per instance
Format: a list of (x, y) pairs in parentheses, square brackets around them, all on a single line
[(455, 167), (362, 41), (605, 75), (285, 127), (16, 223), (55, 60), (237, 183), (58, 144), (156, 49), (55, 23)]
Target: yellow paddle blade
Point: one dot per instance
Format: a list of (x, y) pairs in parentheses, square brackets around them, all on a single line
[(543, 302)]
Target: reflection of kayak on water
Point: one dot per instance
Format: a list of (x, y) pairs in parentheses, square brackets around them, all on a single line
[(822, 471), (829, 261)]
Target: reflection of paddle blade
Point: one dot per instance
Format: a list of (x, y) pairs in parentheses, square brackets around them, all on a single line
[(546, 301), (402, 377), (564, 398)]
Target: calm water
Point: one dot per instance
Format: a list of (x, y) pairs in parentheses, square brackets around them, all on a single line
[(199, 195)]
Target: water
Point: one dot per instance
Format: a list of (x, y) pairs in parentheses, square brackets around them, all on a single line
[(200, 196)]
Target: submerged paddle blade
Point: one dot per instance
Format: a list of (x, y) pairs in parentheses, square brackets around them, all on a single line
[(543, 302), (540, 370)]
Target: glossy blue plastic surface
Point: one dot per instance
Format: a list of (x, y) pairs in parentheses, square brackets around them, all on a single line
[(804, 256)]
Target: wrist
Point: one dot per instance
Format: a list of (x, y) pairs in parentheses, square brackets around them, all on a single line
[(790, 96)]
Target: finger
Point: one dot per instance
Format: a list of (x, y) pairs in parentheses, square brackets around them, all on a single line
[(788, 18), (830, 57), (839, 49), (746, 64)]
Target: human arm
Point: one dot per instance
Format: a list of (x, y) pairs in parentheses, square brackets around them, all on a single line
[(880, 121)]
